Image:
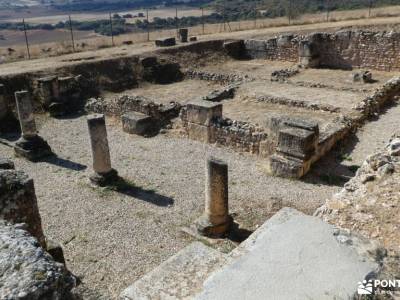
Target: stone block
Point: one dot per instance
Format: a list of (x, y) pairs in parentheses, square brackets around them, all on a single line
[(287, 167), (179, 277), (183, 35), (297, 142), (193, 39), (18, 203), (137, 123), (28, 271), (48, 89), (222, 94), (201, 133), (203, 112), (166, 42)]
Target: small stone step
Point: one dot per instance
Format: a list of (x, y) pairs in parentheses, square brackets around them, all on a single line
[(180, 277), (137, 123)]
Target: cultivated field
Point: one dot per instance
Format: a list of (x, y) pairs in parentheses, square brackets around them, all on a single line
[(48, 43)]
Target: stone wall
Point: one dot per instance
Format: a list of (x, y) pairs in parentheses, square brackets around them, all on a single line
[(203, 121), (284, 47), (343, 49), (123, 104)]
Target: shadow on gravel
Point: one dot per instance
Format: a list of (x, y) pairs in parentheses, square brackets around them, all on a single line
[(64, 163), (237, 234), (129, 189), (330, 170)]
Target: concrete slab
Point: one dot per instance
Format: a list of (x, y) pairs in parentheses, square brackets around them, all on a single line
[(180, 277), (293, 256)]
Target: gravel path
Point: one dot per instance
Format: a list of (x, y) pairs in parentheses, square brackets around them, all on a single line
[(111, 238)]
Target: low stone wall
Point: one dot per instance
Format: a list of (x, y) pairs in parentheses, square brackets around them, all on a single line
[(204, 122), (123, 104), (285, 164), (18, 202), (217, 77)]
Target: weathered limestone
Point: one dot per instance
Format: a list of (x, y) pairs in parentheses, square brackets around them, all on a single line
[(166, 42), (137, 123), (30, 146), (295, 256), (103, 173), (297, 144), (179, 277), (3, 104), (308, 54), (216, 220), (48, 90), (27, 271), (18, 203), (201, 115), (183, 35)]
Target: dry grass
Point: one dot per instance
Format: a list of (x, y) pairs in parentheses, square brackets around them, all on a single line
[(98, 42)]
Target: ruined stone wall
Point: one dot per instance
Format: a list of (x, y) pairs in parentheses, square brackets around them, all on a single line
[(346, 49), (123, 104), (237, 135), (343, 49), (281, 48)]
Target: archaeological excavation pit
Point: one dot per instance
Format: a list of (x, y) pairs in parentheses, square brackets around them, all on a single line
[(270, 108)]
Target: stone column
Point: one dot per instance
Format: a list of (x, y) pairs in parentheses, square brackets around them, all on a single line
[(103, 172), (18, 203), (30, 145), (25, 114), (216, 220), (183, 35)]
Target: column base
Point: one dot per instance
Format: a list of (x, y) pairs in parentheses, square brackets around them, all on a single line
[(33, 148), (104, 179), (206, 228)]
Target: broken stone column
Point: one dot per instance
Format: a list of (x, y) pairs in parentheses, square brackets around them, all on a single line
[(3, 104), (103, 172), (30, 146), (18, 203), (183, 35), (201, 116), (216, 220)]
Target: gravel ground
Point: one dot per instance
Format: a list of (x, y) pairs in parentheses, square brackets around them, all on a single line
[(112, 238)]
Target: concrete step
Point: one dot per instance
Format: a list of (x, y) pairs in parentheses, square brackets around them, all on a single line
[(180, 277), (294, 256)]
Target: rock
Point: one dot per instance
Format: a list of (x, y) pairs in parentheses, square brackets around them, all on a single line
[(6, 164), (27, 271), (394, 147), (166, 42), (193, 39)]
